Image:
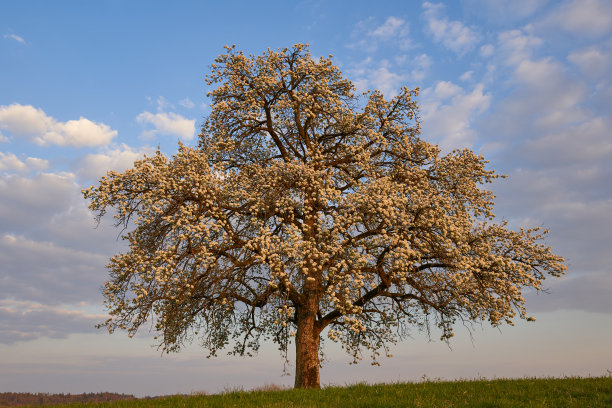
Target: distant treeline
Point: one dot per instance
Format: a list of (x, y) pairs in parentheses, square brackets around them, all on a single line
[(14, 399)]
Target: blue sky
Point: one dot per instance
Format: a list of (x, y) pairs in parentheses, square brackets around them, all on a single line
[(87, 87)]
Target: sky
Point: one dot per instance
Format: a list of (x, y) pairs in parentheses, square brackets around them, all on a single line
[(88, 87)]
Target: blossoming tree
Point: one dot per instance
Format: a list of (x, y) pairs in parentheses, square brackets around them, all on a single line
[(305, 213)]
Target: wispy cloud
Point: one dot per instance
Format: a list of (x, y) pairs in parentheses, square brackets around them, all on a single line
[(392, 27), (516, 46), (421, 64), (187, 103), (504, 11), (14, 37), (486, 50), (373, 37), (454, 35), (34, 124), (448, 112), (370, 75), (369, 36), (466, 76), (388, 76), (584, 17), (554, 125)]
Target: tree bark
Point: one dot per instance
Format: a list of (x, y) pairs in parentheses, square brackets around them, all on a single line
[(307, 336), (307, 347)]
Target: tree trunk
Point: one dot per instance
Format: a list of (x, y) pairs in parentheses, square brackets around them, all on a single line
[(307, 348), (307, 336)]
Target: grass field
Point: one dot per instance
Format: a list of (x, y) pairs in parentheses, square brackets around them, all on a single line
[(528, 392)]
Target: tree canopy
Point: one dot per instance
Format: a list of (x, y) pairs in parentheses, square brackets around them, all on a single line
[(307, 212)]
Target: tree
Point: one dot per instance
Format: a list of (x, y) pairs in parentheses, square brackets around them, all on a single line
[(307, 212)]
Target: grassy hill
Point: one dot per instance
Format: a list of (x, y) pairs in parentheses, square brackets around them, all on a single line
[(511, 393)]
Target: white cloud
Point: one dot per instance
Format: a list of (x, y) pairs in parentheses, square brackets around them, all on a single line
[(94, 166), (546, 96), (466, 76), (81, 132), (504, 10), (389, 76), (15, 37), (545, 99), (586, 142), (163, 104), (486, 50), (369, 75), (515, 46), (538, 72), (386, 81), (370, 36), (187, 103), (50, 207), (393, 26), (10, 162), (422, 63), (553, 139), (593, 61), (592, 18), (167, 124), (35, 163), (25, 120), (452, 34), (444, 90), (448, 111), (32, 201), (569, 197), (550, 93), (34, 124)]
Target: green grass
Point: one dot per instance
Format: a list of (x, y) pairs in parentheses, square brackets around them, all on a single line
[(527, 392)]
